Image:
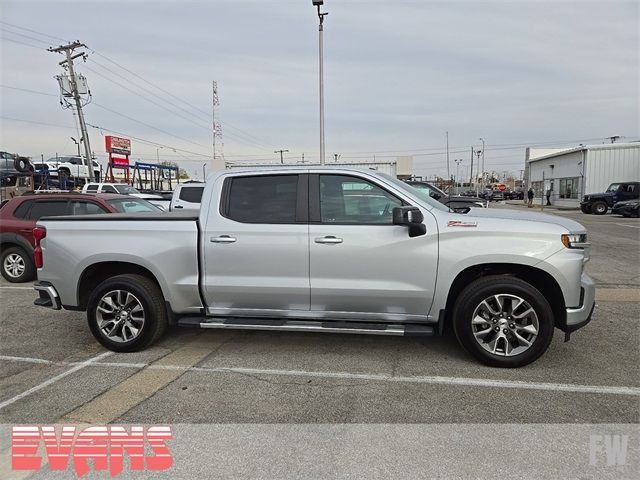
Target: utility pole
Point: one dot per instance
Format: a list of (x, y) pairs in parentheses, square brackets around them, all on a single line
[(448, 173), (478, 154), (471, 182), (68, 50), (483, 145), (281, 157), (458, 162), (214, 125)]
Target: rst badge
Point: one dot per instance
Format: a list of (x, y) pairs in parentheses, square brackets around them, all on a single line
[(459, 223)]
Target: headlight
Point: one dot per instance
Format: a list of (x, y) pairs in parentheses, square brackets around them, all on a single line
[(574, 240)]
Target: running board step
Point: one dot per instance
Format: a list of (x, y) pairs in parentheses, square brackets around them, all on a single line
[(309, 326)]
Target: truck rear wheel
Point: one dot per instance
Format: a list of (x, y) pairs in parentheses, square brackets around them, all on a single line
[(599, 208), (503, 321), (126, 313)]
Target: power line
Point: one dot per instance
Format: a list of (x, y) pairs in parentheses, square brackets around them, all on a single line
[(146, 124), (32, 31), (29, 91), (22, 43), (197, 109), (36, 123)]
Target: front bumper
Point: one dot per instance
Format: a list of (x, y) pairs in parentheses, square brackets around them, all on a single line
[(578, 317), (48, 296)]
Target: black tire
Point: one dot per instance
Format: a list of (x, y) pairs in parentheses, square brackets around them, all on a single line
[(149, 296), (585, 209), (599, 208), (473, 295), (22, 165), (9, 255)]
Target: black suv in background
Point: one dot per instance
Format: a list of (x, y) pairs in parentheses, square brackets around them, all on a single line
[(600, 203)]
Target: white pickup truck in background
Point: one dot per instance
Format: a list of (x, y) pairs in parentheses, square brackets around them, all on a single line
[(322, 250)]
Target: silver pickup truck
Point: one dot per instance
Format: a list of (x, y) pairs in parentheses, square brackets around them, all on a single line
[(322, 250)]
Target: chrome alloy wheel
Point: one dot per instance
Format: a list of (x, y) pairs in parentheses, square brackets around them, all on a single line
[(505, 325), (14, 265), (120, 316)]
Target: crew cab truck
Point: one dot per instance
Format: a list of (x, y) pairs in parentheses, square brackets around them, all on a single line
[(321, 250), (600, 203)]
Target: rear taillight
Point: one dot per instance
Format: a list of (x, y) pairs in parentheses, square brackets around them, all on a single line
[(38, 234)]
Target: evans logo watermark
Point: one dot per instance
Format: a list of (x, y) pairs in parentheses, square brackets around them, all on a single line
[(100, 447)]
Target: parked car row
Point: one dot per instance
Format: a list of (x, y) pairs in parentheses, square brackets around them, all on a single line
[(18, 217), (621, 197), (454, 202)]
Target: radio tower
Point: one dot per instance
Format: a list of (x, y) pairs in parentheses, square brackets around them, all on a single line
[(217, 128)]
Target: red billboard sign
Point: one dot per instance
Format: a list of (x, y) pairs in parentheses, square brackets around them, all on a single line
[(118, 145)]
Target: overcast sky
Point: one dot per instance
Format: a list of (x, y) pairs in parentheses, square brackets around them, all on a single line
[(398, 75)]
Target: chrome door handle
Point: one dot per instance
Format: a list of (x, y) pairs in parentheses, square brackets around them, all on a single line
[(223, 239), (328, 239)]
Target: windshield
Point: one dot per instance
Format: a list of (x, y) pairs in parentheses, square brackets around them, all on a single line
[(126, 189), (132, 205), (613, 187), (414, 192)]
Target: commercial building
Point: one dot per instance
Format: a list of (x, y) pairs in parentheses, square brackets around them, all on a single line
[(571, 173)]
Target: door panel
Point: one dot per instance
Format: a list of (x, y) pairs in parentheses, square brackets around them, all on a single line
[(256, 247), (360, 262)]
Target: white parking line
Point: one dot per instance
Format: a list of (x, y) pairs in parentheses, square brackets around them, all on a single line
[(46, 383), (376, 377), (627, 225), (16, 288)]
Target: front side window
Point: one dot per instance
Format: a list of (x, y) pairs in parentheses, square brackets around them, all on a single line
[(262, 199), (48, 208), (351, 200), (109, 189)]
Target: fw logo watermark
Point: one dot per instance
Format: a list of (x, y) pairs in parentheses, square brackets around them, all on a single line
[(103, 447), (609, 450)]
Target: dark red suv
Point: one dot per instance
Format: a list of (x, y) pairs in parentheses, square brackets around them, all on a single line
[(19, 215)]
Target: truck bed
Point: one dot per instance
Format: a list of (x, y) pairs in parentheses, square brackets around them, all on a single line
[(165, 244)]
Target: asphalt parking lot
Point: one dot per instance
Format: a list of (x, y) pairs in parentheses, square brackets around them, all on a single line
[(53, 371)]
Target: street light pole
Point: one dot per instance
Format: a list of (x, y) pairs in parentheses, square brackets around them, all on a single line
[(321, 15), (478, 152), (458, 162), (482, 139)]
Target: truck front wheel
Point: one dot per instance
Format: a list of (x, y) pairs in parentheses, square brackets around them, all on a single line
[(126, 313), (503, 321)]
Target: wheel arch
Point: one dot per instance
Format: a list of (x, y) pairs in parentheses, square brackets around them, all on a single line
[(8, 240), (541, 280), (96, 273)]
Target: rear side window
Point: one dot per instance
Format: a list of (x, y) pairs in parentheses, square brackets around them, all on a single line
[(92, 188), (191, 194), (23, 209), (262, 199), (48, 208), (85, 208)]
